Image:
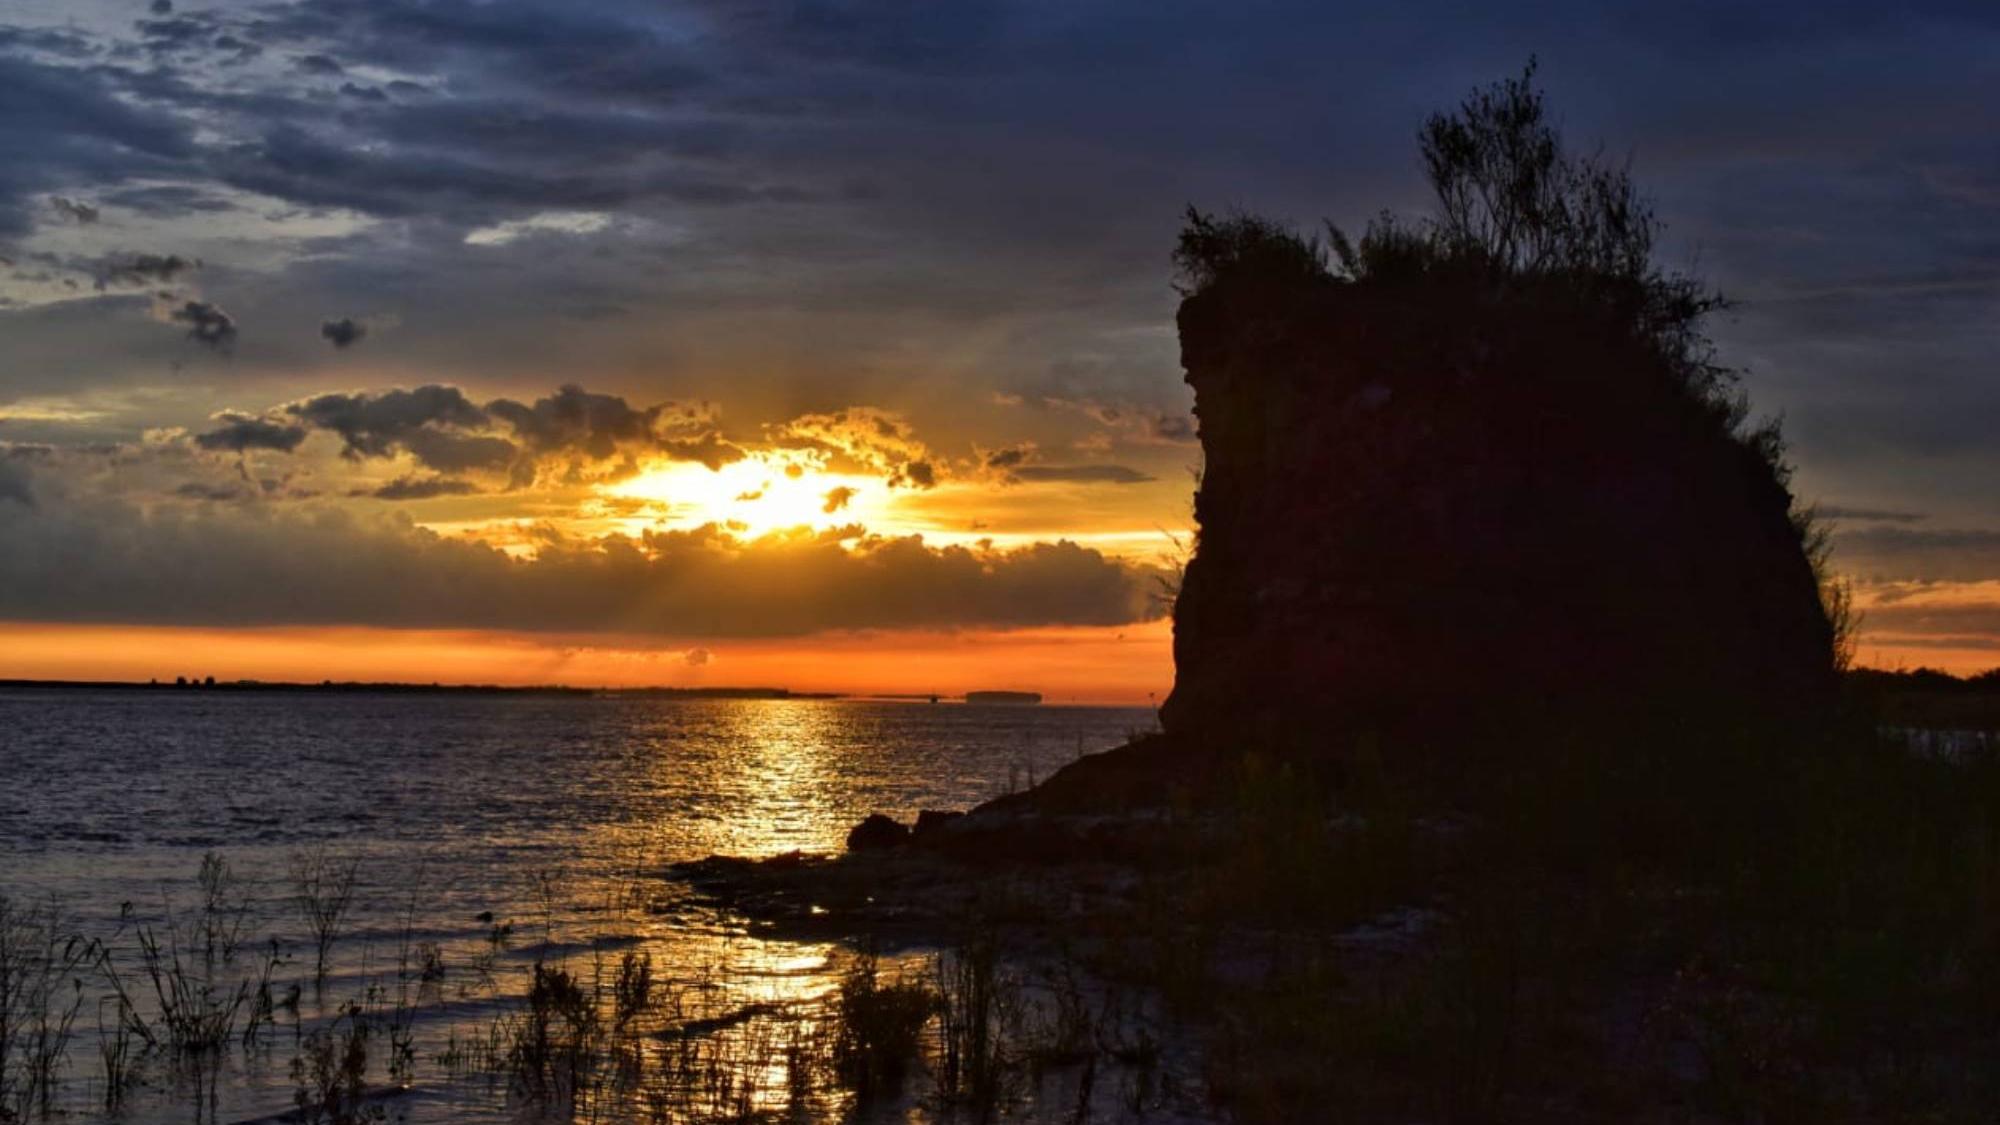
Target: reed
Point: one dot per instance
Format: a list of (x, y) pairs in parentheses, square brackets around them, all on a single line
[(323, 889)]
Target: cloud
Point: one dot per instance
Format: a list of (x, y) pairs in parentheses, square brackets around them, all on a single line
[(837, 498), (207, 324), (862, 439), (141, 269), (62, 125), (1015, 464), (421, 488), (1868, 515), (449, 452), (696, 657), (548, 222), (597, 428), (15, 481), (102, 560), (342, 333), (710, 450), (167, 200), (576, 420), (1008, 457), (1957, 614), (319, 65), (379, 425), (1082, 474), (1891, 552), (574, 435), (214, 493), (76, 211), (242, 432)]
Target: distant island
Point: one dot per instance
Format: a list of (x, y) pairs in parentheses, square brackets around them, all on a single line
[(1008, 698)]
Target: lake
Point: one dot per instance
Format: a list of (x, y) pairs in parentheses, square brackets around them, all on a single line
[(485, 833)]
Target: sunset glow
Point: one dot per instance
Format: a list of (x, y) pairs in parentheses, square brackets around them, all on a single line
[(759, 494), (1077, 665)]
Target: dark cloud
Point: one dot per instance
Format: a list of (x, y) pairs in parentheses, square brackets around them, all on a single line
[(576, 420), (1008, 457), (207, 324), (1174, 429), (1014, 464), (837, 499), (74, 210), (579, 434), (1082, 474), (378, 425), (163, 200), (229, 565), (342, 333), (591, 51), (141, 269), (421, 488), (319, 64), (171, 33), (242, 432), (450, 452)]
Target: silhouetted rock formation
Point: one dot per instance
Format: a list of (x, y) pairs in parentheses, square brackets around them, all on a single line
[(1424, 499), (1482, 468)]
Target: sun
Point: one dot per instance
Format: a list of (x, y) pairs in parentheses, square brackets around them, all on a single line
[(761, 493)]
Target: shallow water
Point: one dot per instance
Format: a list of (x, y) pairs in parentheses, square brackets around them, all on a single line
[(556, 816)]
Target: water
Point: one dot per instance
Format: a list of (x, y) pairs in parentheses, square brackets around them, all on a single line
[(490, 831)]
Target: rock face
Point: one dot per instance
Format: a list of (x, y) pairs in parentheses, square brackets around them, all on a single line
[(1429, 507)]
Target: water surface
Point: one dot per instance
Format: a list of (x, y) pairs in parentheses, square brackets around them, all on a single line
[(499, 829)]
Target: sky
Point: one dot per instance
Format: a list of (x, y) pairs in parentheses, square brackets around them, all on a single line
[(831, 345)]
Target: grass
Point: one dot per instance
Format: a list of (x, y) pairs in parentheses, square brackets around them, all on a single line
[(38, 1003), (323, 888), (878, 1024)]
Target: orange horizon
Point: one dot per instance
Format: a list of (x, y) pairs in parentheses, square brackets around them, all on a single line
[(1126, 665)]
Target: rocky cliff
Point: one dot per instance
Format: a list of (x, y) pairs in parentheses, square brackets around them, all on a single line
[(1431, 505)]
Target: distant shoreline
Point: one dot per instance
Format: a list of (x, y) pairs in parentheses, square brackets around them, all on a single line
[(353, 687), (395, 688)]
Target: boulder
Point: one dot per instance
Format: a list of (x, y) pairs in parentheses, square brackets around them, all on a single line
[(877, 832)]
